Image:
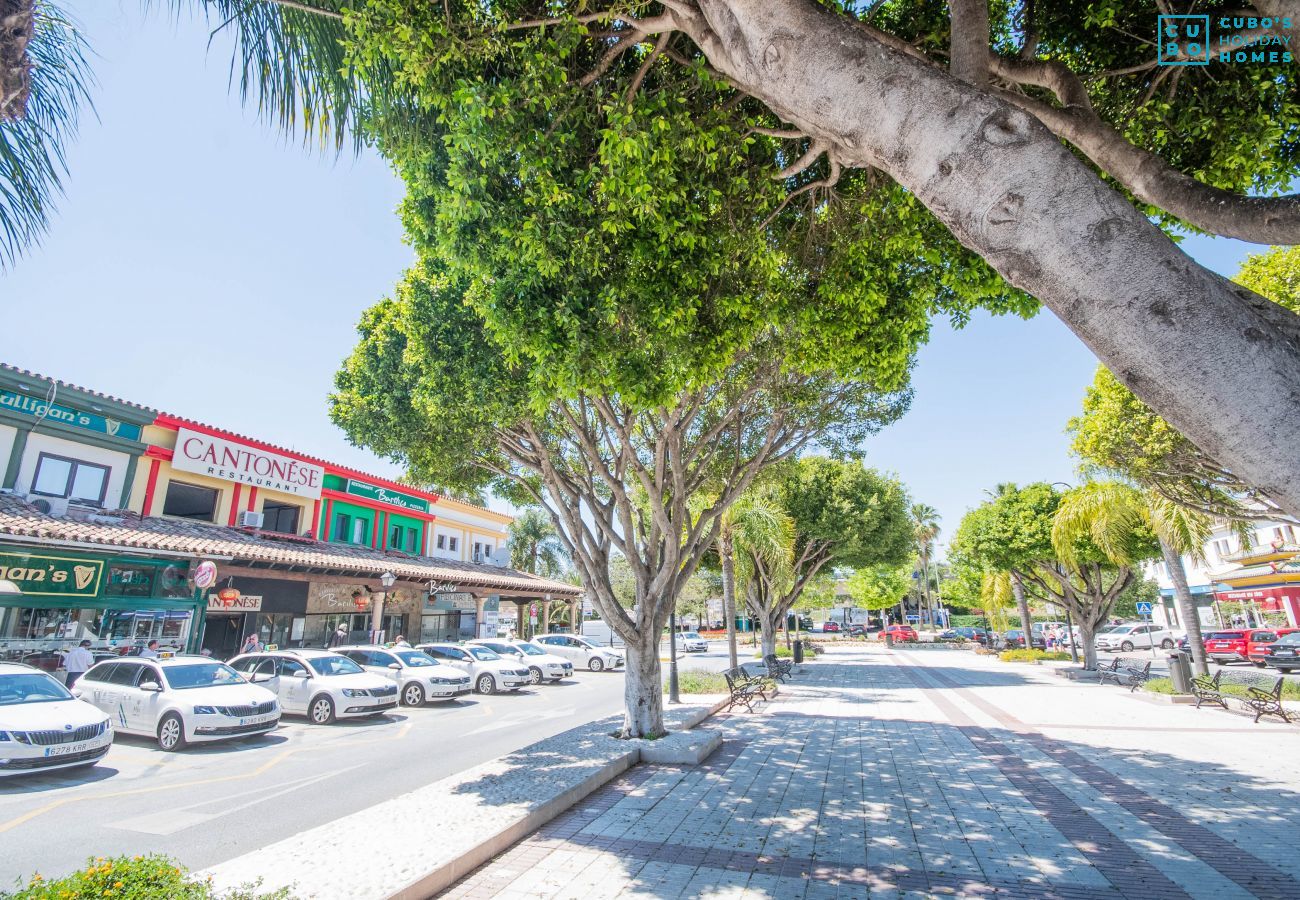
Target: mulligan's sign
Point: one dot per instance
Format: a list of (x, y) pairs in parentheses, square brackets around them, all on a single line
[(245, 464), (50, 576)]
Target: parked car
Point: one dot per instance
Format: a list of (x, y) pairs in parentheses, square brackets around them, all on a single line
[(691, 642), (1284, 653), (949, 634), (971, 633), (1232, 645), (581, 652), (1135, 636), (178, 701), (831, 627), (857, 629), (1260, 640), (900, 633), (541, 665), (319, 684), (1012, 639), (418, 676), (44, 727), (489, 672)]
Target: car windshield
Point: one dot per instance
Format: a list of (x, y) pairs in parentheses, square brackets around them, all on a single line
[(201, 675), (416, 658), (692, 636), (584, 644), (483, 653), (531, 650), (1225, 636), (34, 687), (1291, 640), (334, 665), (501, 648)]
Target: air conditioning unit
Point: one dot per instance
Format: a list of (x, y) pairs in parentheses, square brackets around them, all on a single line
[(51, 506), (250, 519)]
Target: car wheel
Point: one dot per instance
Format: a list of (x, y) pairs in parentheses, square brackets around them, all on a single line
[(1166, 644), (321, 710), (171, 733), (1286, 671), (486, 684), (596, 664), (1259, 665), (1126, 646), (413, 695), (534, 675)]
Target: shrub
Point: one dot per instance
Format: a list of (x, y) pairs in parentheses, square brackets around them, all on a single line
[(133, 878), (1159, 686), (1290, 689), (693, 681), (1031, 655)]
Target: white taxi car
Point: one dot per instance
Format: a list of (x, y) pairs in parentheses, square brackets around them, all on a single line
[(43, 727), (542, 666), (691, 642), (418, 675), (178, 701), (581, 652), (319, 684), (488, 671)]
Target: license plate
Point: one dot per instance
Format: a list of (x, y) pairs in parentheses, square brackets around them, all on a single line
[(258, 720), (1284, 653), (65, 749)]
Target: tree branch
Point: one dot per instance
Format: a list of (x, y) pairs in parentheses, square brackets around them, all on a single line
[(968, 41)]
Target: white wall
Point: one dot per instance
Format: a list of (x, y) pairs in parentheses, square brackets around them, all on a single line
[(38, 443)]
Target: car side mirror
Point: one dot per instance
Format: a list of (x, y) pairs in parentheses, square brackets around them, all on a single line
[(261, 677), (395, 666), (152, 686)]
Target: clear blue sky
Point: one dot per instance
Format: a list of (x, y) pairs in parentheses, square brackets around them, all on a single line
[(204, 265)]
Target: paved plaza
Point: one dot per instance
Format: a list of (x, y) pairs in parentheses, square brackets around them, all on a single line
[(937, 773)]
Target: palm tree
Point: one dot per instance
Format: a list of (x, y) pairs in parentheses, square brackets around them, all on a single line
[(925, 530), (755, 527), (534, 545), (290, 56), (1119, 509)]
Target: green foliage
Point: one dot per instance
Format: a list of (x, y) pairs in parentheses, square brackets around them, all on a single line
[(133, 878), (1031, 656), (1142, 590), (1275, 275), (880, 586), (32, 160), (1290, 688), (965, 621), (1011, 531), (1159, 686), (1109, 517), (534, 544), (694, 681)]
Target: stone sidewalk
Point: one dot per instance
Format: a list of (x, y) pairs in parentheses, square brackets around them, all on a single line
[(931, 773)]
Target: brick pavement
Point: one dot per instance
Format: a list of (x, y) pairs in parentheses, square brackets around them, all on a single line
[(936, 774)]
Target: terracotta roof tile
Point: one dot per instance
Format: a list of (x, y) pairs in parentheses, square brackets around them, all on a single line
[(127, 529)]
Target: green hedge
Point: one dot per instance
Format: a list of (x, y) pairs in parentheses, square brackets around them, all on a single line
[(1030, 655), (149, 877), (693, 681)]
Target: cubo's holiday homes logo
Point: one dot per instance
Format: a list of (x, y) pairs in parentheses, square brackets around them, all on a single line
[(1187, 40)]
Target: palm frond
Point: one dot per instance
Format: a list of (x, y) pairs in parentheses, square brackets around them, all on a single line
[(32, 161), (1183, 529), (1106, 512)]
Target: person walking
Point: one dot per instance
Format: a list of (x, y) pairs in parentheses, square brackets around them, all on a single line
[(77, 661), (339, 637)]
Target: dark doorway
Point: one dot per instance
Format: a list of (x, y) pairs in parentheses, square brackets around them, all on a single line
[(223, 635)]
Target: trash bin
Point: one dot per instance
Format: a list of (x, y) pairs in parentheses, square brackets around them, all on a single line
[(798, 652), (889, 639), (1180, 671)]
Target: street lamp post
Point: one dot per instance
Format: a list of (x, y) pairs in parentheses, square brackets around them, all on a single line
[(674, 696), (388, 579)]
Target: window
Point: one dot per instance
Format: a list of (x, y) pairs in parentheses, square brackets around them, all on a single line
[(452, 543), (360, 530), (442, 542), (125, 674), (130, 581), (59, 476), (291, 667), (281, 518), (351, 529), (412, 543), (402, 538), (189, 501), (478, 550)]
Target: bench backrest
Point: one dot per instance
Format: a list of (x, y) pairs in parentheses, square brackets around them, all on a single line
[(1269, 684), (1133, 662)]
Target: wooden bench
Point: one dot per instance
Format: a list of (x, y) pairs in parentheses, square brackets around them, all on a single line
[(1128, 671), (744, 688), (778, 668), (1263, 692)]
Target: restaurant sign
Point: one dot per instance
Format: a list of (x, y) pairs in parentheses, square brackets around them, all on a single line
[(1264, 598), (216, 457), (384, 495), (53, 412), (233, 603), (50, 576)]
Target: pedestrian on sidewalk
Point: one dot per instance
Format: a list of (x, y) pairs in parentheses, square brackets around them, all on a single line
[(150, 650), (339, 637), (77, 661), (252, 644)]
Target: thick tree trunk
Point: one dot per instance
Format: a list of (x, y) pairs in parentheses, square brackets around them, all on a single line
[(643, 690), (769, 626), (1186, 606), (1022, 605), (17, 24), (726, 551), (1221, 364), (1087, 636)]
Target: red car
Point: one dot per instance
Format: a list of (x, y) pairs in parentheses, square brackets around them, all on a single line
[(900, 633), (1260, 640), (1237, 644), (831, 626)]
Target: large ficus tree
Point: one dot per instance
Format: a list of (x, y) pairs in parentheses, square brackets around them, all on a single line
[(842, 514)]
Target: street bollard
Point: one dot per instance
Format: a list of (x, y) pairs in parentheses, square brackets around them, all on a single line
[(889, 639), (1180, 672), (798, 652)]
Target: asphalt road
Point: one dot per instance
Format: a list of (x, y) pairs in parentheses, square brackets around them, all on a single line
[(212, 802)]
